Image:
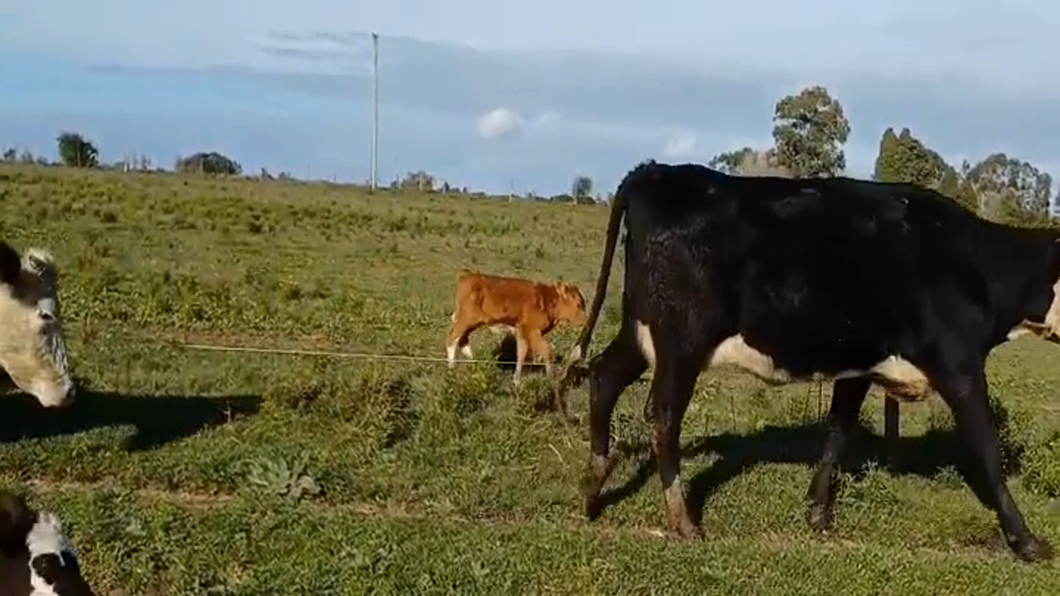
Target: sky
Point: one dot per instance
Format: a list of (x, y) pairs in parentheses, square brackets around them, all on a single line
[(512, 96)]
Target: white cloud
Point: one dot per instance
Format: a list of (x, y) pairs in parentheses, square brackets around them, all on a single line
[(500, 122), (680, 144), (505, 122)]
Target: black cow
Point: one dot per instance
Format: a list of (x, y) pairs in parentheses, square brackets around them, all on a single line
[(787, 279)]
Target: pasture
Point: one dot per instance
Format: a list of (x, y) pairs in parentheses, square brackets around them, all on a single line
[(206, 472)]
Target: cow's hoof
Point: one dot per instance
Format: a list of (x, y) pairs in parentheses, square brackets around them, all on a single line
[(686, 530), (820, 518), (1033, 550), (593, 507)]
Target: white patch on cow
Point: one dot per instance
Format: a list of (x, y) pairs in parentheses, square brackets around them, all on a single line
[(450, 355), (676, 507), (901, 378), (599, 463), (1018, 331), (466, 351), (734, 351), (1049, 329), (646, 343), (1052, 316), (575, 353), (675, 497), (46, 538)]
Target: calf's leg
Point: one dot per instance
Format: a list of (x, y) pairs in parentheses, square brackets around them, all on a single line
[(521, 350), (610, 373), (965, 390), (539, 345), (848, 395), (458, 335)]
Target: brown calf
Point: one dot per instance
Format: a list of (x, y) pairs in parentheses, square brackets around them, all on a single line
[(528, 308)]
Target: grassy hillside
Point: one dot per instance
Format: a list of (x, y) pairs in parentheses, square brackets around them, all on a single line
[(200, 472)]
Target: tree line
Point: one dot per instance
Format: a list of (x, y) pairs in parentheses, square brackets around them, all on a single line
[(75, 151), (810, 130)]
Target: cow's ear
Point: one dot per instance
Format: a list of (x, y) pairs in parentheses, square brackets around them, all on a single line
[(16, 520), (10, 264)]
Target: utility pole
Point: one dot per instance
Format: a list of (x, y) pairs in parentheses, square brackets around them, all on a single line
[(375, 110)]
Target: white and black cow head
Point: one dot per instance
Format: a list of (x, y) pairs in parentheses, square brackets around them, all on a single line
[(35, 558), (32, 348)]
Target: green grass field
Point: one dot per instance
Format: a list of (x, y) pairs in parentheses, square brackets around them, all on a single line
[(200, 472)]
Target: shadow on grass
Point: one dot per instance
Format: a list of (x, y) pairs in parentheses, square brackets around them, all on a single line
[(158, 419), (923, 456), (505, 352)]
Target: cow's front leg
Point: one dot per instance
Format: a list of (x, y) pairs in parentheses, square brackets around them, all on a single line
[(965, 390), (848, 395)]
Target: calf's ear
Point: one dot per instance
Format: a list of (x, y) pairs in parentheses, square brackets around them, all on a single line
[(10, 264), (16, 519), (571, 290)]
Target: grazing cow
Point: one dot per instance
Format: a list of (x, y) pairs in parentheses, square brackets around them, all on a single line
[(860, 281), (35, 558), (32, 349), (528, 308)]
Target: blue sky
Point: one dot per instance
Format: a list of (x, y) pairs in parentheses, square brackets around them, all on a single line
[(510, 95)]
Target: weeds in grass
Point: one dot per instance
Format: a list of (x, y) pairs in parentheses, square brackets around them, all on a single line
[(274, 477), (1042, 466)]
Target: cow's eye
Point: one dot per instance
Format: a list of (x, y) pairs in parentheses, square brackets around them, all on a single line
[(46, 316)]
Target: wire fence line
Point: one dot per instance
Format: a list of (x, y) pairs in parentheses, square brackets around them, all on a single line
[(335, 354), (362, 354), (891, 413)]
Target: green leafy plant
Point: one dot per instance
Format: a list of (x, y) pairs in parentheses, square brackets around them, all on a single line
[(275, 477)]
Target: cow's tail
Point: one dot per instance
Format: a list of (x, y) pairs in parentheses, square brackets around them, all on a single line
[(581, 348)]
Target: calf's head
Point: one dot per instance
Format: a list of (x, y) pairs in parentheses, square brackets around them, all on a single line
[(35, 558), (570, 305), (32, 349)]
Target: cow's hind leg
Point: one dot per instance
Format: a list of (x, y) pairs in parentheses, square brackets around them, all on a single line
[(848, 395), (609, 374), (677, 366), (965, 390)]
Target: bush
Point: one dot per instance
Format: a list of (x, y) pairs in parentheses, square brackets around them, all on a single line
[(212, 163)]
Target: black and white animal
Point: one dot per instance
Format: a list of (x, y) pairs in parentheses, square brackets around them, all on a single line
[(35, 558), (860, 281), (32, 348)]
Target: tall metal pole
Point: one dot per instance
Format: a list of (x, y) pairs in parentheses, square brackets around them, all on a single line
[(375, 110)]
